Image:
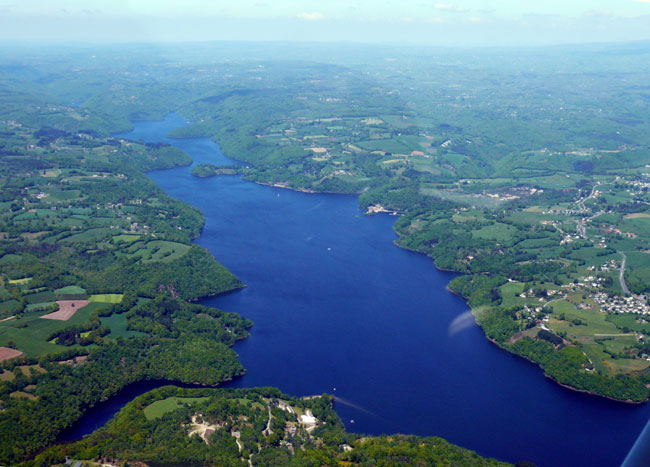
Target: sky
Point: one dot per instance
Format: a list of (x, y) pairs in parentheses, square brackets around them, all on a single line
[(427, 22)]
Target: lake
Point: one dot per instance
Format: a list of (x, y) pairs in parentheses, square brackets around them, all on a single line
[(338, 308)]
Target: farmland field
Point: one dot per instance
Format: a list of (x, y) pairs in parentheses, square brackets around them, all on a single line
[(106, 298)]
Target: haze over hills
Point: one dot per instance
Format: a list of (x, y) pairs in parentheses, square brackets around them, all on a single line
[(463, 22)]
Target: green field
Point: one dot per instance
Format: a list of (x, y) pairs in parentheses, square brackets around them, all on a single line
[(22, 281), (510, 293), (70, 290), (125, 238), (118, 326), (631, 321), (425, 164), (595, 322), (87, 236), (159, 250), (159, 408), (460, 197), (497, 231), (39, 306), (10, 259), (59, 196), (106, 298), (40, 297), (393, 146), (7, 307), (30, 332)]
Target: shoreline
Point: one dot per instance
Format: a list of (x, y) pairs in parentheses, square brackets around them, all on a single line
[(216, 294), (583, 391), (566, 386), (300, 190), (287, 187), (382, 209), (378, 208)]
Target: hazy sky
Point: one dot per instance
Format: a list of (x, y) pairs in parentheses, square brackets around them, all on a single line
[(463, 22)]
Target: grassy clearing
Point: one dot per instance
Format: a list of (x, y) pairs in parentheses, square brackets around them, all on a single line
[(480, 201), (595, 322), (70, 290), (630, 321), (510, 293), (10, 259), (35, 214), (593, 256), (159, 408), (106, 298), (40, 297), (4, 293), (160, 250), (637, 225), (89, 235), (628, 365), (27, 342), (22, 281), (556, 181), (125, 238), (51, 173), (58, 196), (497, 231), (618, 344), (393, 146), (537, 243), (425, 164), (32, 369), (9, 307), (253, 405), (42, 306), (531, 217), (72, 222), (118, 326)]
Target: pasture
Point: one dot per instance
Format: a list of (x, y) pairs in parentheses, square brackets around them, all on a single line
[(118, 325), (159, 408), (106, 298)]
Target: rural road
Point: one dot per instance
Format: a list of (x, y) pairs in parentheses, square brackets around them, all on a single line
[(621, 275)]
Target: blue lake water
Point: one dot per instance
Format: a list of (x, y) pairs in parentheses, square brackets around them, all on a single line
[(339, 309)]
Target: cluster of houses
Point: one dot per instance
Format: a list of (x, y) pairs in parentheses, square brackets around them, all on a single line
[(612, 229), (613, 304), (610, 265), (641, 186)]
